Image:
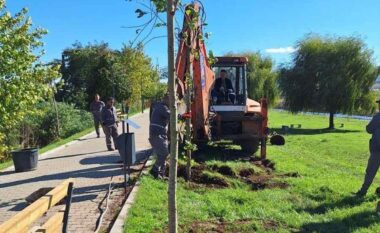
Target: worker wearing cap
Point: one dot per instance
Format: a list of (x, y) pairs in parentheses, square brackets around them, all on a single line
[(96, 109), (372, 128), (158, 135), (109, 123)]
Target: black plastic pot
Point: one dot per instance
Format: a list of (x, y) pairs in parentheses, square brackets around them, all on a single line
[(25, 159)]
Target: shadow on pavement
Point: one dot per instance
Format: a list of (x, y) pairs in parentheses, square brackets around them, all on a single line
[(72, 155)]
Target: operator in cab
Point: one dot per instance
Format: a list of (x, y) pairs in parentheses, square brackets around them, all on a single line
[(223, 89)]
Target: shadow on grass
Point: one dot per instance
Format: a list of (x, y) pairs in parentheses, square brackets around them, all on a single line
[(300, 131), (345, 202), (323, 196), (222, 151), (348, 224)]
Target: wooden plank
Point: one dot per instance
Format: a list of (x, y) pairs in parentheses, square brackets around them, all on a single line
[(23, 219), (54, 223)]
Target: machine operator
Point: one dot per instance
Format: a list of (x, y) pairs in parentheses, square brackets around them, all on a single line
[(223, 90)]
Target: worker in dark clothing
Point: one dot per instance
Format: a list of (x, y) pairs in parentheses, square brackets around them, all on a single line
[(109, 123), (158, 135), (223, 89), (96, 109), (374, 147)]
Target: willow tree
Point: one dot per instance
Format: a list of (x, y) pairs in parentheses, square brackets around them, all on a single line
[(24, 80), (332, 75)]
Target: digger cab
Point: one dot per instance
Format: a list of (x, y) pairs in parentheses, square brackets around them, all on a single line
[(229, 92)]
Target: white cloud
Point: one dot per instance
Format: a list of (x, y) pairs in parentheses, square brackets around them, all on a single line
[(281, 50)]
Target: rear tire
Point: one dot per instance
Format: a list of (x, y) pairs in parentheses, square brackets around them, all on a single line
[(249, 146)]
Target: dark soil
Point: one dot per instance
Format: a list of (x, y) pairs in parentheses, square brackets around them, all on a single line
[(199, 176), (224, 170), (264, 181), (246, 172), (213, 180), (264, 163), (117, 198)]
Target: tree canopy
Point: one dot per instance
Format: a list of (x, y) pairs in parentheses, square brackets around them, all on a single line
[(125, 74), (329, 74), (24, 80)]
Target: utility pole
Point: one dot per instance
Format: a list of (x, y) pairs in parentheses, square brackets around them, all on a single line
[(172, 189)]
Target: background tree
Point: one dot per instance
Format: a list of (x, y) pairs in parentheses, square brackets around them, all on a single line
[(24, 80), (329, 75), (125, 74), (261, 77)]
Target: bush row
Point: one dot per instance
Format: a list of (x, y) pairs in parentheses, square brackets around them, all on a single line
[(47, 123)]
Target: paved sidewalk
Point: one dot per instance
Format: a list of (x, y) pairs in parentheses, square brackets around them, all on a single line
[(87, 161)]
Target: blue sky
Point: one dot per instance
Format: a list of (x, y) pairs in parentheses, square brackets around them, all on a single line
[(269, 26)]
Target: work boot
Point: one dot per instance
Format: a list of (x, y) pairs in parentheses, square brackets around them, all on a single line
[(98, 136), (110, 148)]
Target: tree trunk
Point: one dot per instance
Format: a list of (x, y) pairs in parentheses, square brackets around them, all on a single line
[(172, 207), (189, 85), (331, 121)]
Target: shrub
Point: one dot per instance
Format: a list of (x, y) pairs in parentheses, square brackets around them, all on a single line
[(41, 127)]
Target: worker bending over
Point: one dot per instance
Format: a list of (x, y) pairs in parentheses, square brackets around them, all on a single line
[(374, 159), (109, 123), (158, 135), (223, 90)]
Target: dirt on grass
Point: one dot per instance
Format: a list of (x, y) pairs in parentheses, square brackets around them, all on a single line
[(264, 163), (264, 181), (200, 174), (221, 226)]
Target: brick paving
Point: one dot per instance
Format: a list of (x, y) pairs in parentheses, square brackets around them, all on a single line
[(87, 161)]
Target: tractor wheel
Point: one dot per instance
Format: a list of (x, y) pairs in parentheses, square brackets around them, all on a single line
[(249, 146)]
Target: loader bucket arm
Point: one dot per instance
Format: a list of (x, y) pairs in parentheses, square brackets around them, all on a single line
[(192, 57)]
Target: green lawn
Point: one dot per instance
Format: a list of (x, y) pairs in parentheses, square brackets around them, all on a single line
[(331, 165)]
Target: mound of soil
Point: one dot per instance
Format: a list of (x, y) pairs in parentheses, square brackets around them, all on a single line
[(264, 181), (200, 175), (224, 170), (212, 179), (246, 172), (264, 163)]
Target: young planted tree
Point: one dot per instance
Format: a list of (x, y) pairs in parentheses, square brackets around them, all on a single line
[(329, 75), (24, 80), (189, 36)]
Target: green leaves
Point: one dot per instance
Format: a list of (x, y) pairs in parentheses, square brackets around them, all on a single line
[(330, 74), (23, 79)]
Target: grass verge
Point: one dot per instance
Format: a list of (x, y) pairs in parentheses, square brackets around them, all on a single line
[(331, 165)]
